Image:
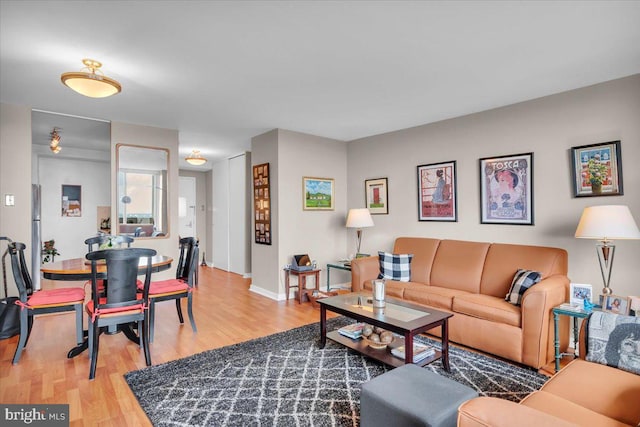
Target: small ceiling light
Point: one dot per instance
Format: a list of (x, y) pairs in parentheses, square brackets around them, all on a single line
[(93, 83), (54, 145), (195, 158)]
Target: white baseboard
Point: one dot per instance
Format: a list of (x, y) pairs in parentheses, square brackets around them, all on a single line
[(266, 293)]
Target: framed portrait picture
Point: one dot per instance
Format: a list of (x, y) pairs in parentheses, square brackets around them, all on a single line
[(506, 189), (71, 200), (579, 292), (376, 196), (317, 194), (616, 304), (597, 170), (437, 195), (261, 203)]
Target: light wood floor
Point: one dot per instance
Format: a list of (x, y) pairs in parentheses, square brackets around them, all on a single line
[(226, 313)]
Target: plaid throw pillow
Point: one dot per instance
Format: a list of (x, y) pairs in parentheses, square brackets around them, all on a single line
[(522, 281), (395, 266)]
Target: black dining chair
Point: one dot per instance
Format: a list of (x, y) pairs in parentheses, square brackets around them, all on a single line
[(122, 304), (178, 288), (41, 302), (93, 243)]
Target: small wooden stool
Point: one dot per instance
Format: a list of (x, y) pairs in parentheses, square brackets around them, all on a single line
[(302, 281)]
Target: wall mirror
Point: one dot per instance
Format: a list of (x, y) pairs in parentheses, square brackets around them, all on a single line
[(142, 191)]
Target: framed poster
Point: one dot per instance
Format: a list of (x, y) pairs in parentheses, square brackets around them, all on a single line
[(71, 200), (506, 189), (317, 194), (376, 196), (437, 194), (597, 170), (262, 203)]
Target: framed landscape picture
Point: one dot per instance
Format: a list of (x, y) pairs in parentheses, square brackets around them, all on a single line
[(437, 194), (317, 194), (506, 189), (376, 196), (597, 170)]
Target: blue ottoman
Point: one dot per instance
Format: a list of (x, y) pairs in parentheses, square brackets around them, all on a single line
[(412, 396)]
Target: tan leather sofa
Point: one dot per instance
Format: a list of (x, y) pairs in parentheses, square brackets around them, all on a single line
[(471, 279), (582, 393)]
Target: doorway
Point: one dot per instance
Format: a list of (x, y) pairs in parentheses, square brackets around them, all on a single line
[(187, 207)]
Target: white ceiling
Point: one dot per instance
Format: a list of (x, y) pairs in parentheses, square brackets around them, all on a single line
[(223, 72)]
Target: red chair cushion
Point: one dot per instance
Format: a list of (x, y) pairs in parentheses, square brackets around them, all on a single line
[(56, 297), (167, 287), (113, 310)]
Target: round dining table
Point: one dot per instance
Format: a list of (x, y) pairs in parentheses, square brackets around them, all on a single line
[(80, 268)]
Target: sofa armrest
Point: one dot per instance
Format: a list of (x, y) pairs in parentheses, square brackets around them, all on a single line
[(363, 269), (491, 411), (537, 320)]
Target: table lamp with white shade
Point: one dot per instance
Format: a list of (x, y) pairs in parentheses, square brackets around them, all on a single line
[(359, 219), (606, 223)]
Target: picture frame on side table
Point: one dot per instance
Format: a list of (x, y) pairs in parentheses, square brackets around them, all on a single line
[(597, 170), (376, 196), (317, 194), (579, 292), (616, 304), (506, 189), (437, 192)]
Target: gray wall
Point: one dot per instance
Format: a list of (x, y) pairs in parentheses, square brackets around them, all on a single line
[(548, 127)]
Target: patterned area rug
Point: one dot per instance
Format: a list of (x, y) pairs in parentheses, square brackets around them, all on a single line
[(285, 380)]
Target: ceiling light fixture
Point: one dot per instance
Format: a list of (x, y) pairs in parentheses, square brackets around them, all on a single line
[(195, 158), (93, 83), (54, 144)]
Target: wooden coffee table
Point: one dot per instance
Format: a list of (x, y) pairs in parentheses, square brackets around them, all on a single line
[(398, 316)]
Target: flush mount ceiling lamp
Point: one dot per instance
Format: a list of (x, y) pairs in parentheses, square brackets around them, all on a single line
[(90, 81), (54, 144), (195, 158)]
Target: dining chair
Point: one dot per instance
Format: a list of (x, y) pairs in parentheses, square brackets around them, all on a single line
[(178, 288), (122, 304), (41, 302), (93, 243)]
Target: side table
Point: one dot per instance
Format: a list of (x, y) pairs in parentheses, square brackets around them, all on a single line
[(575, 315), (302, 281), (339, 265)]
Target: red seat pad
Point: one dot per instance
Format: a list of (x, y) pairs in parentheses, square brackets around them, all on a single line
[(113, 310), (167, 287), (56, 297)]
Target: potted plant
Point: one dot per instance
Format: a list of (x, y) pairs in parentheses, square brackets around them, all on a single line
[(597, 173), (49, 251)]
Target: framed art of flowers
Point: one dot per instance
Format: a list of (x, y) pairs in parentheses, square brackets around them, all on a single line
[(437, 195), (506, 189), (597, 170)]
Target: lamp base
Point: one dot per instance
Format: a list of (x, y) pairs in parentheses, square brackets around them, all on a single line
[(607, 291)]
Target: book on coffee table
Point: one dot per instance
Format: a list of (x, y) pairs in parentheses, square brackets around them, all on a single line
[(420, 351), (353, 331)]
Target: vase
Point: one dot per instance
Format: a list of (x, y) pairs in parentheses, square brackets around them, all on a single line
[(596, 188)]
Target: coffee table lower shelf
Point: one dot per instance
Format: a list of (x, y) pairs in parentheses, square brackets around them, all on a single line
[(382, 355)]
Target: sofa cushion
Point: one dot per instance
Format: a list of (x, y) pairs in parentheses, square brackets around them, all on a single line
[(395, 266), (423, 250), (488, 308), (392, 288), (522, 281), (432, 296), (614, 340), (458, 265), (567, 410), (605, 390), (502, 258)]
